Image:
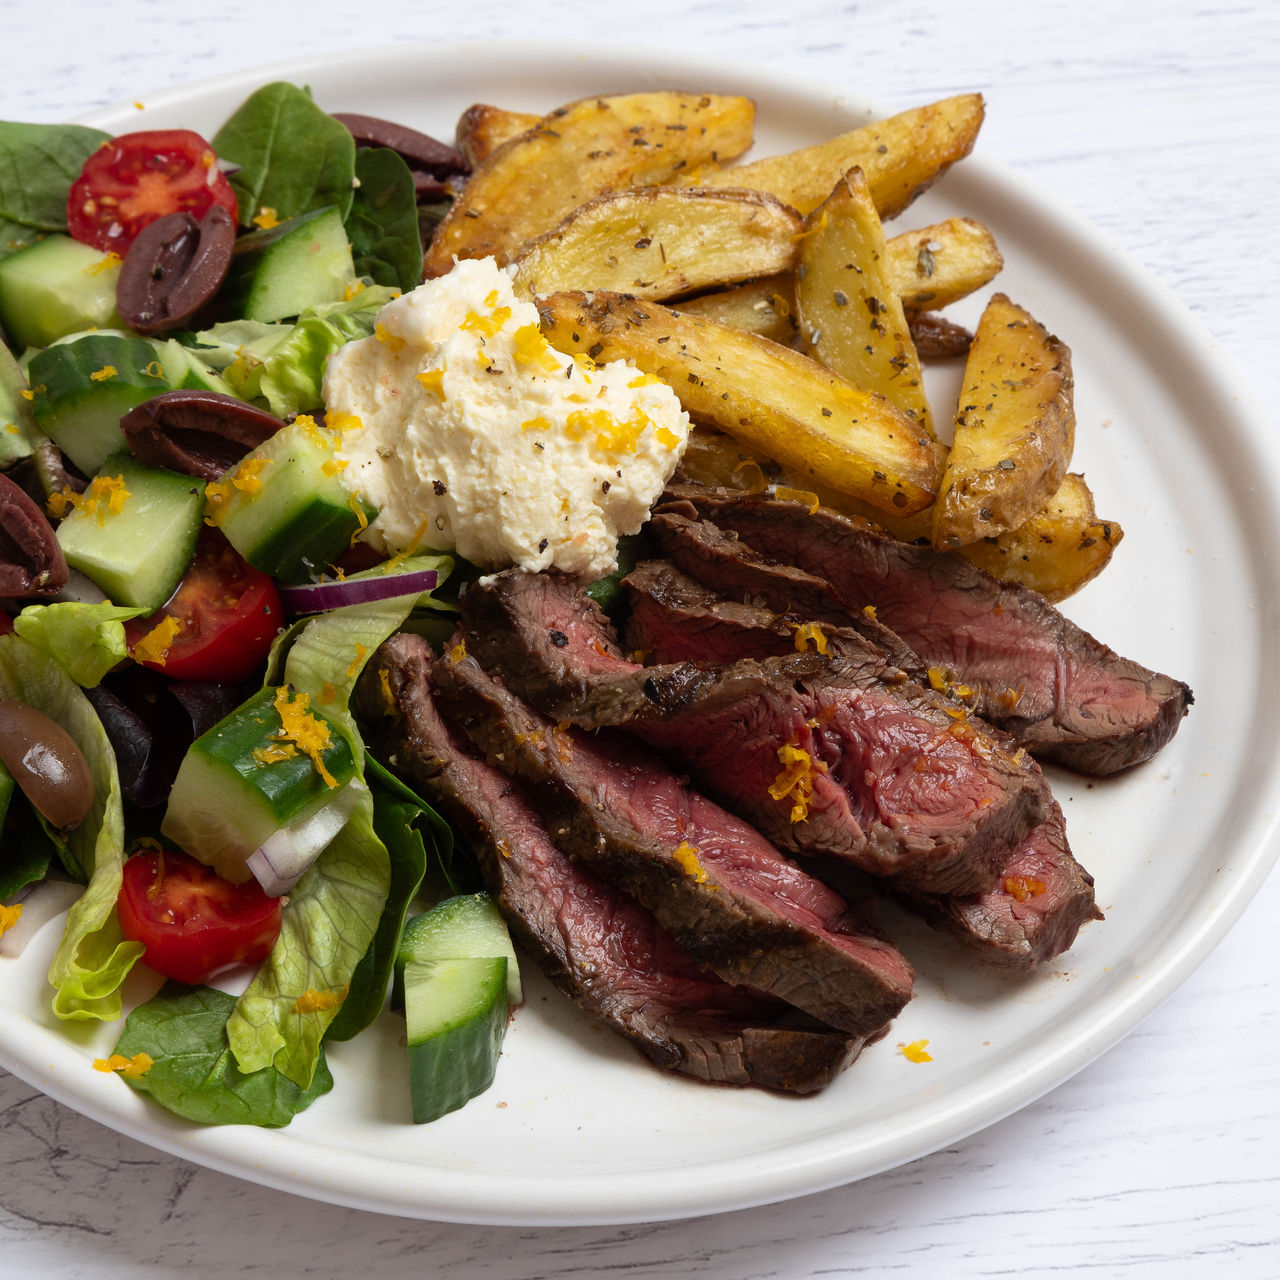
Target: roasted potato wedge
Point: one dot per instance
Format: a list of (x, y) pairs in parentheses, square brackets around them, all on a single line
[(659, 242), (900, 156), (766, 307), (768, 396), (1015, 428), (936, 266), (530, 183), (1058, 550), (482, 129), (850, 317)]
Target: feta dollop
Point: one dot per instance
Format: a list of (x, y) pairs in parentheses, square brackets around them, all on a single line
[(470, 433)]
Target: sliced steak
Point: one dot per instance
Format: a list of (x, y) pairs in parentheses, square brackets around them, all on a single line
[(713, 882), (1060, 692), (727, 566), (1035, 911), (896, 783), (597, 945)]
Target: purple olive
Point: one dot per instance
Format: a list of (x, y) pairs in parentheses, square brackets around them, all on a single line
[(46, 763)]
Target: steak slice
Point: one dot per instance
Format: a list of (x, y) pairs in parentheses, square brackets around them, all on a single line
[(1060, 692), (727, 566), (824, 755), (714, 883), (1042, 895), (1035, 911), (597, 945)]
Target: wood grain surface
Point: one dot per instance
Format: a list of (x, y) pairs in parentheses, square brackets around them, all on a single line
[(1161, 124)]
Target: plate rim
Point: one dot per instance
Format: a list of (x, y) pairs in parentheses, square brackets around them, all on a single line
[(746, 1185)]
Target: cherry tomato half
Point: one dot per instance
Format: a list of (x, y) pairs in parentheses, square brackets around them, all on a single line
[(191, 921), (136, 178), (228, 614)]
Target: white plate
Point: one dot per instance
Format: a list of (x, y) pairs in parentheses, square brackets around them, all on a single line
[(577, 1129)]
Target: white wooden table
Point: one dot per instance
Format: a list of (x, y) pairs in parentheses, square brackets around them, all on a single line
[(1162, 1160)]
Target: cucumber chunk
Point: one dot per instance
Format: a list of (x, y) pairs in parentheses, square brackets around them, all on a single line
[(279, 272), (16, 421), (55, 287), (185, 371), (456, 1016), (468, 925), (138, 553), (84, 387), (285, 507), (227, 800)]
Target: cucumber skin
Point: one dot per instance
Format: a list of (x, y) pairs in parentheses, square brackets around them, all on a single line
[(453, 1054), (82, 416)]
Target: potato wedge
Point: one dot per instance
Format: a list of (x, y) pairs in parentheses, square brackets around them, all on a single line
[(901, 156), (768, 396), (1058, 550), (850, 317), (530, 183), (1015, 428), (658, 242), (766, 307), (482, 129), (936, 266)]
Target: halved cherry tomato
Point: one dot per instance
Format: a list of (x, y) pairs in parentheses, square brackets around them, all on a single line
[(136, 178), (191, 921), (227, 613)]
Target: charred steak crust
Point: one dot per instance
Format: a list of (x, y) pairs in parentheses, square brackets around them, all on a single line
[(713, 882), (1060, 692), (896, 782), (599, 947), (1042, 895)]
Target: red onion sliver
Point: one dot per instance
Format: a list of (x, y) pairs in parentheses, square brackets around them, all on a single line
[(333, 593)]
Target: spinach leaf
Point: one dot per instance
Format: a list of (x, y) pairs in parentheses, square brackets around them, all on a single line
[(293, 157), (193, 1074), (383, 223), (38, 164), (392, 821)]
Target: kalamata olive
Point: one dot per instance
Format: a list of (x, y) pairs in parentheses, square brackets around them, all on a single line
[(46, 763), (31, 561), (173, 268), (199, 433), (418, 150), (937, 338)]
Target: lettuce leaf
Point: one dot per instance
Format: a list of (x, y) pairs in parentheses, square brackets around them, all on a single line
[(192, 1074), (86, 640), (282, 363), (333, 914), (93, 959)]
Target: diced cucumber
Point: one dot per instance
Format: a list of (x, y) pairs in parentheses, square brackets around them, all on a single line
[(468, 925), (55, 287), (456, 1018), (83, 388), (16, 422), (277, 273), (228, 800), (138, 553), (185, 371), (285, 507)]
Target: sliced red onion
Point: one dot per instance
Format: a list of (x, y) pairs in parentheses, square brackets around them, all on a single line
[(334, 593), (40, 904), (80, 590), (283, 858)]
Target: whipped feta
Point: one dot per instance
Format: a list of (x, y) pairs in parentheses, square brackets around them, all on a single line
[(469, 433)]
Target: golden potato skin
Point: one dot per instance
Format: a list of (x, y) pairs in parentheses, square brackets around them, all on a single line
[(1014, 429), (530, 183), (816, 424), (659, 242), (932, 267), (482, 129)]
